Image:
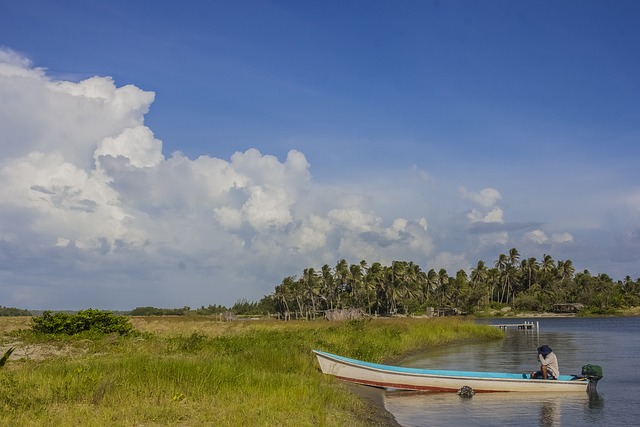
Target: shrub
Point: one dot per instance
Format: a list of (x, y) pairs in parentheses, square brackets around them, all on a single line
[(95, 321)]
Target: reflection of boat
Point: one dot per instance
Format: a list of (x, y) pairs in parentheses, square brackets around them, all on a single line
[(396, 377), (549, 409)]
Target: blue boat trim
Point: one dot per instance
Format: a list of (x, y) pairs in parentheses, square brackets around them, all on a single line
[(440, 372)]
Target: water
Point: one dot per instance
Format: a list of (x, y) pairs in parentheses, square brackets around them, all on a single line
[(613, 343)]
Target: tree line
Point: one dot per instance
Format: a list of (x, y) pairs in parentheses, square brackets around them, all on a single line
[(404, 288)]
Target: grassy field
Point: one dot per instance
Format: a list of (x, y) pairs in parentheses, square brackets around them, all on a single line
[(197, 371)]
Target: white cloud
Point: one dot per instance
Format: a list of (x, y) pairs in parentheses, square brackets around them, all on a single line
[(311, 234), (229, 218), (561, 237), (495, 215), (487, 197), (540, 237), (354, 219), (137, 145), (500, 238), (92, 213), (450, 262), (42, 115), (89, 182), (536, 236), (632, 200)]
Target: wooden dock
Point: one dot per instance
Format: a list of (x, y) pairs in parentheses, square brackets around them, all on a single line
[(524, 325)]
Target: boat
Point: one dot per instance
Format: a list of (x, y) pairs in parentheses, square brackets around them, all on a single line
[(403, 378)]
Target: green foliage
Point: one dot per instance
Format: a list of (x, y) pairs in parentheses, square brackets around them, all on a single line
[(211, 309), (3, 359), (596, 311), (11, 311), (404, 288), (153, 311), (190, 344), (528, 302), (93, 321), (245, 307)]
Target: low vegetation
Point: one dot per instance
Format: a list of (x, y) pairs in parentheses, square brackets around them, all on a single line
[(90, 321), (195, 371), (12, 311)]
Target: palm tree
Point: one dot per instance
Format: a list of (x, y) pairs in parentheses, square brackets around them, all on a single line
[(340, 280), (443, 284), (530, 268), (509, 281), (566, 269), (376, 284), (548, 265), (502, 262), (419, 279), (514, 257), (355, 279), (432, 281), (283, 294), (326, 286), (493, 280), (479, 281), (311, 289)]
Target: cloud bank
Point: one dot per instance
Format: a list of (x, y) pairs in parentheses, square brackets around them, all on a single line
[(94, 214)]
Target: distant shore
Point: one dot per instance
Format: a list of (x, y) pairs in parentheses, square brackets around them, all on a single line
[(623, 312)]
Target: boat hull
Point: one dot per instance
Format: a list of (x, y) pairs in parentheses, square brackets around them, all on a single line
[(394, 377)]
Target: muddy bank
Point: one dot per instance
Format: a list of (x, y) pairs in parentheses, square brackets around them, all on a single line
[(374, 399)]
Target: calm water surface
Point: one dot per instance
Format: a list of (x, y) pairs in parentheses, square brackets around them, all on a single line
[(613, 343)]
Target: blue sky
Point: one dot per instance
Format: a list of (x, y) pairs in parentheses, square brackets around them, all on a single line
[(198, 153)]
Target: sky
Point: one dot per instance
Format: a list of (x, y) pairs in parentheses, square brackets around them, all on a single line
[(195, 153)]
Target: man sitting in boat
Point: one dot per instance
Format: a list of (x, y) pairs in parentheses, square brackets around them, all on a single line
[(549, 369)]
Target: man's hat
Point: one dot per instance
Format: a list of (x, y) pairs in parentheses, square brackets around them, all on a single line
[(544, 350)]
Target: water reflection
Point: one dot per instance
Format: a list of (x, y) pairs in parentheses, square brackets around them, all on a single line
[(594, 410), (415, 409), (550, 414)]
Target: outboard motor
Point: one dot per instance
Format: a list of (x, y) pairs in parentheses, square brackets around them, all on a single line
[(594, 374)]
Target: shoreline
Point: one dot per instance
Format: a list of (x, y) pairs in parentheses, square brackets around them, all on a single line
[(373, 397)]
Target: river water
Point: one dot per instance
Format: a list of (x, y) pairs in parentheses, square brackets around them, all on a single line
[(613, 343)]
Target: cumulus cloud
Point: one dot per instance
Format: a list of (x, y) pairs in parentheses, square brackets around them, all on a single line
[(540, 237), (487, 197), (561, 237), (88, 196), (93, 213), (451, 262), (536, 236), (495, 215)]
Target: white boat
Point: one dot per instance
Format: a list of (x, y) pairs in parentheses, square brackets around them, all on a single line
[(402, 378)]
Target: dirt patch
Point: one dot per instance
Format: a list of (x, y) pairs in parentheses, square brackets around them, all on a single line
[(41, 351)]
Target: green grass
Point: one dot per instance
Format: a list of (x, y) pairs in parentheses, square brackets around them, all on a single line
[(234, 374)]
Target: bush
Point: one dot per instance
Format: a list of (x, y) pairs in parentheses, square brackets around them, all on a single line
[(95, 321)]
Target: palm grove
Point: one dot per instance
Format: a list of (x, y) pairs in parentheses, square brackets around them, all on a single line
[(403, 287)]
